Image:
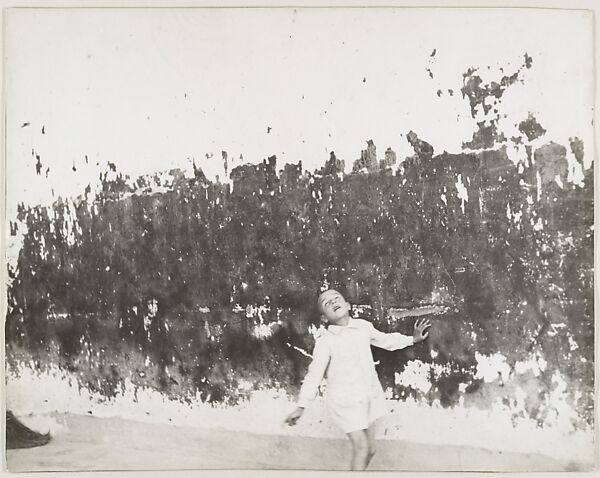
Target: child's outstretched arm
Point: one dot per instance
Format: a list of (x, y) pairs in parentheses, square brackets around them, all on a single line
[(396, 340), (312, 380)]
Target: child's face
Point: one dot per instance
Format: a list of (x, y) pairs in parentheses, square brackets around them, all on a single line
[(333, 306)]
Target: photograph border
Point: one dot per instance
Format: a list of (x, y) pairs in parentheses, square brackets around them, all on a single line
[(590, 5)]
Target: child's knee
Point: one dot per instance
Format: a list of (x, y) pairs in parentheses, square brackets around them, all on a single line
[(360, 444)]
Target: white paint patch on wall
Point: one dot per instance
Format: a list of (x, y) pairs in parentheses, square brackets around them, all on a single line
[(493, 429), (420, 375), (416, 374), (572, 344), (263, 331), (462, 192), (575, 172), (491, 367), (315, 331), (265, 410), (536, 365), (302, 351)]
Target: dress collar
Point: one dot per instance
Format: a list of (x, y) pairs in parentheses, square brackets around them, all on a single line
[(336, 329)]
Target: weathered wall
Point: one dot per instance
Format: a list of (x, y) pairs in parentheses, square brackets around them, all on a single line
[(191, 286), (201, 287)]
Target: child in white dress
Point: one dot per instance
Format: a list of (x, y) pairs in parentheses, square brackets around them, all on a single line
[(354, 396)]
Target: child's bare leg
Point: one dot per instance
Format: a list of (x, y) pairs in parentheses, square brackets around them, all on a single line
[(371, 440), (360, 449)]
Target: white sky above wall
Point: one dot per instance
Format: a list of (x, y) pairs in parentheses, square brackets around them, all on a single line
[(150, 89)]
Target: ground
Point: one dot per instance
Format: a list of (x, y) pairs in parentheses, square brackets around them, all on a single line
[(90, 443)]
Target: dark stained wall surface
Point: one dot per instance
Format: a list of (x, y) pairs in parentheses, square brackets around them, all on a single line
[(173, 285), (193, 285)]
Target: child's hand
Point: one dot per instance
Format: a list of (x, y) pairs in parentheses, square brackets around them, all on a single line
[(419, 334), (293, 417)]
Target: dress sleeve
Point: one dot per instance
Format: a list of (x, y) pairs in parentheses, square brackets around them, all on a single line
[(392, 341), (315, 374)]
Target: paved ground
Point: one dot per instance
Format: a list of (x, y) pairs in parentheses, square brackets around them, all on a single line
[(89, 443)]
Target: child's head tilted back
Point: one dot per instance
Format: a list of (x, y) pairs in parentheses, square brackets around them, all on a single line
[(333, 306)]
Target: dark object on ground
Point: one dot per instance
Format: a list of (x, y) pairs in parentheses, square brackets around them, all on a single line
[(19, 436)]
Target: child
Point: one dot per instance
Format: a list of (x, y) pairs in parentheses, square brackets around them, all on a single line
[(355, 398)]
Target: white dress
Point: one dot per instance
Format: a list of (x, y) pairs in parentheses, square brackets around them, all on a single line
[(342, 355)]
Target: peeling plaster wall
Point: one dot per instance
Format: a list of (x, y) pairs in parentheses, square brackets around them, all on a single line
[(205, 291)]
